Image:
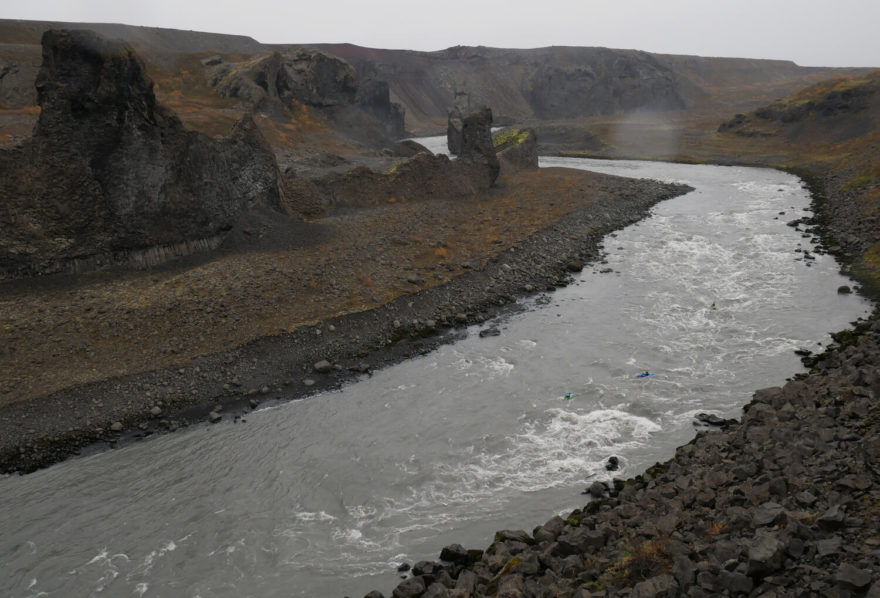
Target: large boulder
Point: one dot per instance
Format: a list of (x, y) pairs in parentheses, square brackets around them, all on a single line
[(109, 170), (517, 149)]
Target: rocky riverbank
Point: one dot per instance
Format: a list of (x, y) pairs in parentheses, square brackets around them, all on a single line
[(485, 252), (782, 503)]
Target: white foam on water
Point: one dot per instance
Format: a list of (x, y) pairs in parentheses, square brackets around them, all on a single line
[(558, 448), (486, 367), (308, 516)]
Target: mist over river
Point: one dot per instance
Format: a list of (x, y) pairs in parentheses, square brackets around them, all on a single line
[(326, 496)]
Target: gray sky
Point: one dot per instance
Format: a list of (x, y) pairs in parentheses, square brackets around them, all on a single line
[(810, 32)]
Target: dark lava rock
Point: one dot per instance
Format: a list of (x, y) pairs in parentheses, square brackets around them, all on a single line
[(283, 82), (766, 555), (409, 588), (323, 366), (476, 143), (613, 464), (493, 331), (661, 586), (832, 519), (454, 553), (109, 170), (517, 149), (310, 77), (408, 148), (454, 117), (852, 578), (709, 419), (574, 266), (596, 490)]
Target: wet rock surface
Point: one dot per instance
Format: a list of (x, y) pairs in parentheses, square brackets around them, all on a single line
[(782, 503)]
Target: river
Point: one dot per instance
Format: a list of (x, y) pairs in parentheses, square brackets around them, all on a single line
[(326, 496)]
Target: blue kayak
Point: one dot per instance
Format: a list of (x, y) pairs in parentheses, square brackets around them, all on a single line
[(644, 374)]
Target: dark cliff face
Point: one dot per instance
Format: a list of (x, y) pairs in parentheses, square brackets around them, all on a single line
[(543, 83), (611, 82), (108, 169), (573, 82)]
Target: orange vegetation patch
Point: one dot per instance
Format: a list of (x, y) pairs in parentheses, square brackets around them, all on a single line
[(103, 326)]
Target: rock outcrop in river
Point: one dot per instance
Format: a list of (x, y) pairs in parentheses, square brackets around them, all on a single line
[(109, 170)]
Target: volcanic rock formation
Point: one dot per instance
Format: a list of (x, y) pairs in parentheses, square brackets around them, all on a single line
[(308, 77), (476, 142), (423, 176), (109, 171), (279, 82), (517, 149)]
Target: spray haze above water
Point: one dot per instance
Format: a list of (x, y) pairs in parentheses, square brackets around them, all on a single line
[(326, 496)]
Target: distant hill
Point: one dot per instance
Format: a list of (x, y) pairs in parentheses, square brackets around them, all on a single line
[(520, 85), (575, 82), (146, 40), (832, 111)]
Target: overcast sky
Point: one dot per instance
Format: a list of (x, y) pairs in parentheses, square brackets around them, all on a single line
[(810, 32)]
